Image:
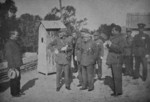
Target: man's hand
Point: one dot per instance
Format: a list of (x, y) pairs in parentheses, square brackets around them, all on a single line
[(146, 56), (64, 48), (109, 43), (56, 51), (75, 58)]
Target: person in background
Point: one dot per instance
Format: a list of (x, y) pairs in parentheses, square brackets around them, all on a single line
[(74, 41), (115, 47), (128, 57), (99, 43), (78, 58), (13, 56), (141, 51)]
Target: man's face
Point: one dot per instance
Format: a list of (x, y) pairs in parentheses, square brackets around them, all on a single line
[(74, 35), (96, 37), (114, 31), (14, 36), (61, 35), (141, 30), (86, 37), (129, 33)]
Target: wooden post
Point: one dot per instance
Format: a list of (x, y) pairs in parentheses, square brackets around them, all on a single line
[(60, 4)]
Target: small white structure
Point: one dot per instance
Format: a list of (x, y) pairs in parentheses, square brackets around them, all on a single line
[(46, 58)]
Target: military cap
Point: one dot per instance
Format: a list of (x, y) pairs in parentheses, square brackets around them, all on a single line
[(85, 30), (83, 34), (141, 25)]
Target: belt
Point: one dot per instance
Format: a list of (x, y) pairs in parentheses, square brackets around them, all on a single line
[(62, 51), (115, 52)]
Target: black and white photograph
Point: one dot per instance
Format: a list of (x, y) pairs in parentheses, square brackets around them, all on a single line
[(74, 50)]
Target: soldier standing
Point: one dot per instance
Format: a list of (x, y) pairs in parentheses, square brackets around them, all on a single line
[(141, 50), (100, 47), (88, 58), (128, 57), (63, 51), (115, 46)]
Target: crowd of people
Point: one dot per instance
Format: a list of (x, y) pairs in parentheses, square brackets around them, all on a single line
[(86, 50)]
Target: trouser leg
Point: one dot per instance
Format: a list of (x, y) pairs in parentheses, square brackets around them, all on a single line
[(90, 76), (137, 67), (127, 65), (80, 74), (144, 73), (131, 65), (58, 74), (99, 72), (15, 85), (117, 77), (66, 70), (84, 76)]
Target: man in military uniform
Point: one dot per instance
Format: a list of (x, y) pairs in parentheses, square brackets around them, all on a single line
[(13, 56), (115, 47), (128, 57), (141, 51), (100, 47), (63, 50), (88, 59), (78, 58)]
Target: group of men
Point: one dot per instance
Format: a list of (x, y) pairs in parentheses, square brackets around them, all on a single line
[(87, 51)]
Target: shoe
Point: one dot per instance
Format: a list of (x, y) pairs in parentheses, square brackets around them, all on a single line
[(99, 78), (21, 93), (18, 95), (144, 78), (58, 89), (68, 87), (91, 89), (79, 85), (116, 94), (135, 77), (83, 88)]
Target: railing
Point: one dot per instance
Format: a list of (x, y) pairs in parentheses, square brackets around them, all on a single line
[(24, 68)]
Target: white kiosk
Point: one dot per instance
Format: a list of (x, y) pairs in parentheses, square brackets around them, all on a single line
[(46, 58)]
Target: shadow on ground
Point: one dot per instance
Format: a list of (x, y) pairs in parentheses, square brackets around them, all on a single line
[(4, 86), (109, 82), (29, 84)]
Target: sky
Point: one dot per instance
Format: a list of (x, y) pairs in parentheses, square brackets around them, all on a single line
[(96, 11)]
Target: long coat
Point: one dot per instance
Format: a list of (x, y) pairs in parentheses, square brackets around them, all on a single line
[(141, 44), (89, 53), (116, 49), (63, 57), (13, 54)]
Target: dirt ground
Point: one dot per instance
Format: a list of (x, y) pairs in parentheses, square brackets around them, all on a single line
[(40, 88)]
